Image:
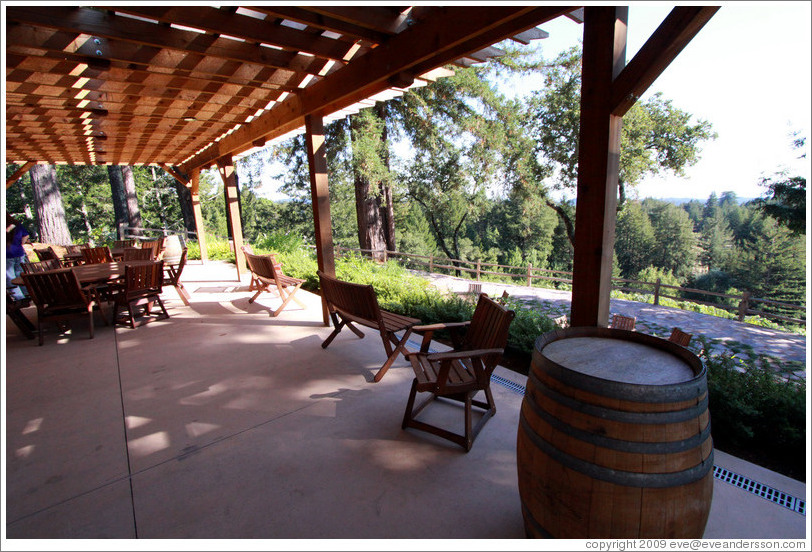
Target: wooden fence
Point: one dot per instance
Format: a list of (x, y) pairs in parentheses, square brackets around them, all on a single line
[(529, 273)]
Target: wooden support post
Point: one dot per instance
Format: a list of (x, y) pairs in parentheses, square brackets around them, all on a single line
[(226, 168), (198, 213), (431, 264), (478, 268), (319, 192), (744, 305), (657, 292), (598, 165), (529, 274)]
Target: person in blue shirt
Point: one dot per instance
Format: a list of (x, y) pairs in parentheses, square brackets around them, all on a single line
[(16, 236)]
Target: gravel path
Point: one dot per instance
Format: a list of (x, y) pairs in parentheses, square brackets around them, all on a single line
[(655, 320)]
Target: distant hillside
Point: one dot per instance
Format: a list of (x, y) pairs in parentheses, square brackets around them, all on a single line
[(681, 200)]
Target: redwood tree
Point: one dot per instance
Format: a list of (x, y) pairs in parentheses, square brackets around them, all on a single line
[(53, 226)]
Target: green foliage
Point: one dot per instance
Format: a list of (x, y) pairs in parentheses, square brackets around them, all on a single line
[(634, 241), (754, 409), (785, 198)]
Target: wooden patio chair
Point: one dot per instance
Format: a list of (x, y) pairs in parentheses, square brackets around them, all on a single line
[(121, 244), (622, 322), (157, 247), (246, 248), (460, 374), (41, 266), (95, 255), (14, 311), (142, 287), (138, 254), (679, 337), (58, 297), (172, 274), (47, 254), (268, 273), (351, 304)]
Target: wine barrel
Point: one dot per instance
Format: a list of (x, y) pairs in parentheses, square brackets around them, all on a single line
[(172, 250), (614, 438)]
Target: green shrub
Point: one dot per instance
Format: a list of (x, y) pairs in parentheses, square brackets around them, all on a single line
[(754, 409), (218, 249)]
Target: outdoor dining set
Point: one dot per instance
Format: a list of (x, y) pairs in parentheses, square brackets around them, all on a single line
[(130, 275)]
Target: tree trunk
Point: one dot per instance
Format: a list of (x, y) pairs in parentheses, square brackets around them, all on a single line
[(133, 213), (53, 226), (86, 219), (185, 200), (368, 214), (388, 208), (119, 195)]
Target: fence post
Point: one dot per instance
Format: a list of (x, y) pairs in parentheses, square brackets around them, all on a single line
[(744, 305), (385, 255), (431, 264), (478, 268), (121, 230), (529, 275), (657, 292)]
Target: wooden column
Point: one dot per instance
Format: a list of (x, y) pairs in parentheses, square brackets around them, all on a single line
[(198, 213), (226, 169), (317, 160), (598, 165)]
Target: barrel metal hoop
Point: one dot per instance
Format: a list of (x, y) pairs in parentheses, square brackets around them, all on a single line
[(639, 447), (670, 417), (628, 391), (618, 477)]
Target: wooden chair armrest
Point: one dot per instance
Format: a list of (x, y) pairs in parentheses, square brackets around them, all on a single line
[(452, 355), (440, 326)]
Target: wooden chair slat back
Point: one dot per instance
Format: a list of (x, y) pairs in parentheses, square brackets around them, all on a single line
[(55, 289), (621, 322), (41, 266), (138, 254), (143, 278), (265, 266), (75, 248), (489, 325), (96, 255), (47, 254), (155, 245), (679, 337), (355, 299), (124, 243)]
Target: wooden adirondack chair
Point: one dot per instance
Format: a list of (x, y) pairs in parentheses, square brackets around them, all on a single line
[(268, 274), (58, 297), (351, 304), (463, 372), (621, 322), (14, 312), (142, 288)]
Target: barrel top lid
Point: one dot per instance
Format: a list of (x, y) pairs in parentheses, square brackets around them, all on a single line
[(618, 360)]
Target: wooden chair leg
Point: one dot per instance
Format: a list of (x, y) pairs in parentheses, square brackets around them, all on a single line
[(90, 319), (400, 345)]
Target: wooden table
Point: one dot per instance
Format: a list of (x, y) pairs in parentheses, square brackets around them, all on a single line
[(95, 273), (76, 258)]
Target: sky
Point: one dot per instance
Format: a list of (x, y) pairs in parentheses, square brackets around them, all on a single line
[(748, 72)]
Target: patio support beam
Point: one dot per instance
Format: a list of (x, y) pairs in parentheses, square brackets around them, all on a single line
[(199, 227), (604, 56), (226, 168), (320, 195), (18, 173)]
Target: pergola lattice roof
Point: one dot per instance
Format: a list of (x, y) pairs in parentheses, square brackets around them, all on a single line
[(185, 85)]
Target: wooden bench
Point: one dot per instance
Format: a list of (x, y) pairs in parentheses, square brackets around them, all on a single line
[(351, 304)]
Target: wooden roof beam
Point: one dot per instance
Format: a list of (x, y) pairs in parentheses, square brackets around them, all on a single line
[(18, 174), (420, 48), (323, 21), (662, 47), (219, 21)]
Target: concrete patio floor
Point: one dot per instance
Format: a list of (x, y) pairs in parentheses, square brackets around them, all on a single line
[(225, 423)]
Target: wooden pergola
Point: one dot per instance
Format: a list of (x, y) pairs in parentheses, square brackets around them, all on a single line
[(190, 87)]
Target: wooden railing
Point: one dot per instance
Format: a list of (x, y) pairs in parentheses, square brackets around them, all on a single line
[(529, 273)]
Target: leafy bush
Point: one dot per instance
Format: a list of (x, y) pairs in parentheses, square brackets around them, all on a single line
[(651, 273), (278, 242), (754, 409), (218, 249), (717, 281)]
